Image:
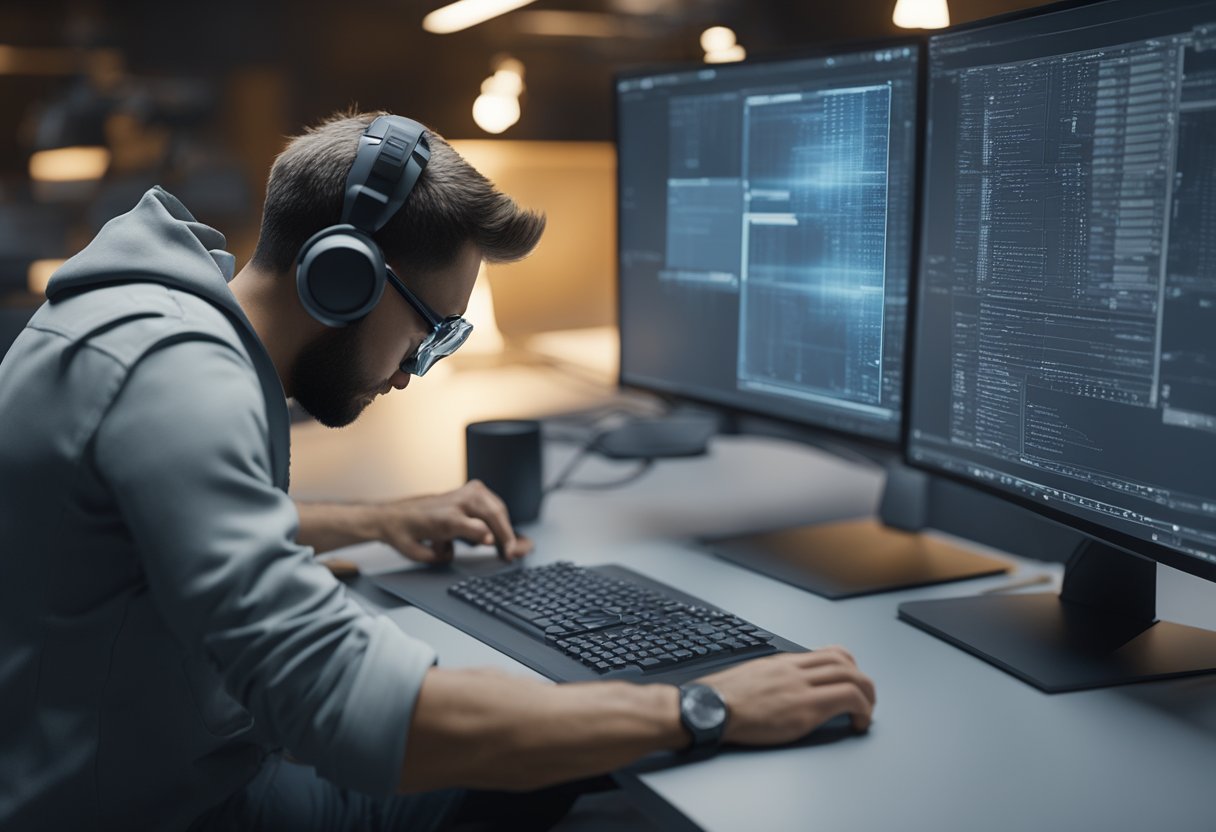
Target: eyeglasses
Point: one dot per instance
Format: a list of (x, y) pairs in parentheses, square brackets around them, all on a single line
[(445, 337)]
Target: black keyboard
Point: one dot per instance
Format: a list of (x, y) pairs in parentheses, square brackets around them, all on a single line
[(610, 624)]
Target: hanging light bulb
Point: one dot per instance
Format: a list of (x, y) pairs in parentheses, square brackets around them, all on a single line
[(717, 38), (495, 113), (721, 46), (921, 14), (497, 108)]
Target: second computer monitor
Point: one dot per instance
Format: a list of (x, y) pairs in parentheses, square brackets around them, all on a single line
[(1065, 348), (765, 231)]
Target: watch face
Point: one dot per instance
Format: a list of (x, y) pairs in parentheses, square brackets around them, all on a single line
[(703, 708)]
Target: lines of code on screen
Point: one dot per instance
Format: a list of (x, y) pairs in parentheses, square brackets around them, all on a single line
[(1066, 348), (766, 216)]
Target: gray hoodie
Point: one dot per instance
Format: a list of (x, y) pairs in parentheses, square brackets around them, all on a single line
[(160, 628)]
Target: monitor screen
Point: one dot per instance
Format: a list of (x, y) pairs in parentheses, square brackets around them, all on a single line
[(765, 230), (1065, 347)]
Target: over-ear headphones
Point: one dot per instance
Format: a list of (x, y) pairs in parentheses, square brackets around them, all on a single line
[(340, 270)]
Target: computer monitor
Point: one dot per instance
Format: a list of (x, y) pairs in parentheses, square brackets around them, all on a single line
[(765, 234), (765, 254), (1065, 342)]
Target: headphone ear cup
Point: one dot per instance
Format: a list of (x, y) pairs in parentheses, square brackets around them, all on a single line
[(340, 275)]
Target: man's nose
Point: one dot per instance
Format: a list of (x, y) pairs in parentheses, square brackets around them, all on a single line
[(400, 380)]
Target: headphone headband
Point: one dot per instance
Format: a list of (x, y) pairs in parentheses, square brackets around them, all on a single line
[(392, 153)]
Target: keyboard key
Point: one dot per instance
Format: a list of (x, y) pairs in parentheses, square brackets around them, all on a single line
[(521, 611)]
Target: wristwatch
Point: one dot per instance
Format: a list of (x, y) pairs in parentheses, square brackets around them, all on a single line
[(703, 714)]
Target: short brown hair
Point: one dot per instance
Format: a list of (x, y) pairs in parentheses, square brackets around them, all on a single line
[(451, 204)]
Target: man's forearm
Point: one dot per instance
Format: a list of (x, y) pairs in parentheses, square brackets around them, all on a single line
[(483, 729), (327, 526)]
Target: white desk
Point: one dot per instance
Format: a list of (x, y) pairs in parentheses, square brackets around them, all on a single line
[(956, 743)]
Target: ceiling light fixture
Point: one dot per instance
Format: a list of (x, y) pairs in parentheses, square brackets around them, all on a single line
[(69, 138), (69, 164), (465, 13), (497, 108), (721, 46), (921, 14), (495, 113)]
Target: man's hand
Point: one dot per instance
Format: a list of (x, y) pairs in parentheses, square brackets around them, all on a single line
[(781, 698), (488, 730), (425, 528)]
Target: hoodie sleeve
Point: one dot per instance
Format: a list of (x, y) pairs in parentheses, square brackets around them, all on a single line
[(183, 447)]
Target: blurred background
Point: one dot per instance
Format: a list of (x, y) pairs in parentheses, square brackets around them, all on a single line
[(102, 99)]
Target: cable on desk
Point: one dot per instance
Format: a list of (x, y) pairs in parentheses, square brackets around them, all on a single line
[(575, 461), (634, 475), (563, 479), (599, 423)]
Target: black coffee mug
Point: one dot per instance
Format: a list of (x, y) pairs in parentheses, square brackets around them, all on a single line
[(505, 455)]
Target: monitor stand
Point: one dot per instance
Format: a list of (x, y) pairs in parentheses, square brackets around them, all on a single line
[(862, 557), (661, 437), (1101, 630)]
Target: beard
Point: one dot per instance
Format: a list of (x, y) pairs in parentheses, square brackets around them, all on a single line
[(327, 379)]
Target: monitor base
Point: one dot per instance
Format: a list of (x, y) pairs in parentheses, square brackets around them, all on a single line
[(854, 557), (1099, 631), (658, 438)]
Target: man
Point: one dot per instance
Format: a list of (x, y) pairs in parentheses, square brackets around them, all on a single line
[(171, 654)]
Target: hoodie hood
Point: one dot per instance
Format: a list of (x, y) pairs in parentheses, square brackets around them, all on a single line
[(157, 241)]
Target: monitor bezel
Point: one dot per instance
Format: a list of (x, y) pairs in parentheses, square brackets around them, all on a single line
[(1158, 552), (820, 50)]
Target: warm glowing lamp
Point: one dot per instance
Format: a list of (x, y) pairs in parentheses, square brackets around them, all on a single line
[(497, 108), (495, 113), (721, 46), (921, 14), (717, 38), (69, 164), (465, 13), (69, 138)]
